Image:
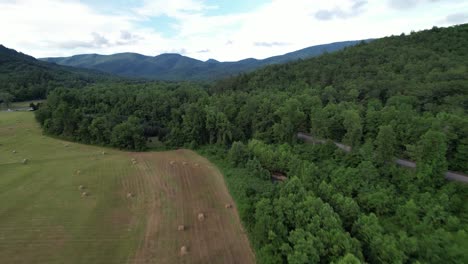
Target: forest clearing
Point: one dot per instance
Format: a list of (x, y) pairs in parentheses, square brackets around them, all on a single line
[(74, 203)]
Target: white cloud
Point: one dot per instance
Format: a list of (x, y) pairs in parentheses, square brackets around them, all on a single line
[(63, 28), (457, 18), (172, 8), (355, 8), (40, 27)]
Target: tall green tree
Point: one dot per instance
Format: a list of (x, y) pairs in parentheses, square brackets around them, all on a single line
[(291, 118), (461, 156), (349, 259), (385, 145), (6, 99), (129, 135), (238, 154), (431, 150), (353, 126), (303, 247)]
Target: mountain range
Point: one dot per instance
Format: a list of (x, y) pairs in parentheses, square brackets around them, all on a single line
[(175, 67)]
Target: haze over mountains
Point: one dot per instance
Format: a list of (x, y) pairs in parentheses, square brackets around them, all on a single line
[(175, 67), (26, 78)]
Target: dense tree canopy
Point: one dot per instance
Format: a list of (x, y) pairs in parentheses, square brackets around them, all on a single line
[(25, 78), (402, 96)]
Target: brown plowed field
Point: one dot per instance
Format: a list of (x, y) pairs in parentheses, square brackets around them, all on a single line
[(174, 194)]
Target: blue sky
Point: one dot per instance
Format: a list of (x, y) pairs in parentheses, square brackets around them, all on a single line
[(225, 30)]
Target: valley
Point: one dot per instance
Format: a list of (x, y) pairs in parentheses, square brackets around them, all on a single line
[(127, 158)]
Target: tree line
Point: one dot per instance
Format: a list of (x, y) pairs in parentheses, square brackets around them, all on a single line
[(397, 96)]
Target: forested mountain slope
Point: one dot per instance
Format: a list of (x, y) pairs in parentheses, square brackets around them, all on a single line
[(401, 96), (22, 77), (175, 67), (429, 66), (412, 83)]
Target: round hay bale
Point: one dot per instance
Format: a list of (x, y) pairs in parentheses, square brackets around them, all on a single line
[(184, 163), (228, 206), (103, 153), (201, 217), (84, 194), (14, 151), (78, 172), (181, 228), (197, 165), (134, 162), (183, 250), (81, 187), (172, 162), (25, 161), (129, 195)]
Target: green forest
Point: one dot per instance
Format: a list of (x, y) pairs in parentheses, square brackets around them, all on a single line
[(24, 78), (401, 96)]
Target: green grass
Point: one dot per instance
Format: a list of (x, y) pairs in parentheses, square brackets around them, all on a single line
[(19, 105), (43, 218)]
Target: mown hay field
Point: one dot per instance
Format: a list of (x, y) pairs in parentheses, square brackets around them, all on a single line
[(70, 203)]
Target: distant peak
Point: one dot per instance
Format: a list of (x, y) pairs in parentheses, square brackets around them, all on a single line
[(212, 61), (248, 60), (169, 55)]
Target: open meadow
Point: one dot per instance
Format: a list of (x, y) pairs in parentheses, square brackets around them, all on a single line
[(63, 202)]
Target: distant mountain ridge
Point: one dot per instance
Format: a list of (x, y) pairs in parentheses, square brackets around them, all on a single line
[(176, 67)]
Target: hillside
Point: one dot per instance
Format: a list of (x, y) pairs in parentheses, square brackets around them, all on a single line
[(24, 78), (389, 81), (398, 97), (176, 67)]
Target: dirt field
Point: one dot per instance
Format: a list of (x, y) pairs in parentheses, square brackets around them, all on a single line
[(173, 195), (130, 214)]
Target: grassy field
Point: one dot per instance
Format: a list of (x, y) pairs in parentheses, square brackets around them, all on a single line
[(19, 105), (131, 213)]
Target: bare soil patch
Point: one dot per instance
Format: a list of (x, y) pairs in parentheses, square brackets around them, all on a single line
[(176, 193)]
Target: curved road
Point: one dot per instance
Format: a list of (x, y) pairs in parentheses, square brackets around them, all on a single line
[(449, 175)]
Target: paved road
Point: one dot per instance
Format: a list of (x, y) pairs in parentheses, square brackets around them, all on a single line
[(449, 175), (405, 163)]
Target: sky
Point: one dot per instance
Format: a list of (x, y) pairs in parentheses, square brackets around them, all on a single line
[(225, 30)]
